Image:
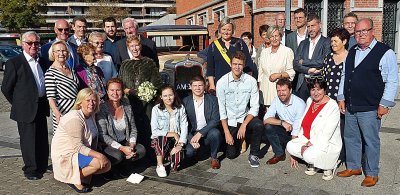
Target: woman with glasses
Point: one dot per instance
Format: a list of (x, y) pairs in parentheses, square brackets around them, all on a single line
[(61, 82), (276, 62), (319, 142), (90, 75), (104, 61)]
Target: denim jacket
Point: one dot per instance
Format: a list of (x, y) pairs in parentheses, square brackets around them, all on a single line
[(160, 123)]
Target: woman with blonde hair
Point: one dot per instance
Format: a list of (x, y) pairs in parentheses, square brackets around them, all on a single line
[(61, 82), (73, 149)]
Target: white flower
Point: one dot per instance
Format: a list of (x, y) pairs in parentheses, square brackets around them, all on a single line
[(146, 91)]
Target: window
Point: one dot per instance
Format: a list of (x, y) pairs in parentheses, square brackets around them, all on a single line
[(202, 19), (190, 21)]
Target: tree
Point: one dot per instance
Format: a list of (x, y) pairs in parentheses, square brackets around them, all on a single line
[(106, 8), (17, 14)]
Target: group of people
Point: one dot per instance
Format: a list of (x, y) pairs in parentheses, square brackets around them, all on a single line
[(316, 97)]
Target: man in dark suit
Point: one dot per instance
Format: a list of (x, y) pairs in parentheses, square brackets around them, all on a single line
[(294, 38), (148, 46), (61, 28), (280, 21), (23, 86), (110, 28), (203, 114), (79, 27), (310, 55)]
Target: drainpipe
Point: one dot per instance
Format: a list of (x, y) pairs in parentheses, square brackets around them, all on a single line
[(288, 4)]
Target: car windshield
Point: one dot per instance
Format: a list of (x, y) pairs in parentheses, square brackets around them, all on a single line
[(9, 53)]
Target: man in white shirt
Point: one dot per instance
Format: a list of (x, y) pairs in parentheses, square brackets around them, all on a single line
[(203, 116), (79, 27)]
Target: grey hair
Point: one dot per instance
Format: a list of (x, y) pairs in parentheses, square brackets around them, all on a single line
[(96, 34), (224, 22), (26, 34), (272, 29), (130, 20)]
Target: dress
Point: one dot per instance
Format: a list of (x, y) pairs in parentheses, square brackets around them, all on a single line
[(269, 63), (62, 89), (332, 73)]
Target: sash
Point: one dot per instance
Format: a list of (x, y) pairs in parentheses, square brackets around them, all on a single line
[(222, 51)]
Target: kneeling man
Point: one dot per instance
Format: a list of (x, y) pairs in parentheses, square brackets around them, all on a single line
[(238, 101), (203, 114), (282, 117)]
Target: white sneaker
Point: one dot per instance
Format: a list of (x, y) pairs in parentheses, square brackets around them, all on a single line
[(327, 175), (161, 171), (311, 170)]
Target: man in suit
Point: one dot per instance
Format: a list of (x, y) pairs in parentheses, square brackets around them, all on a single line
[(367, 90), (79, 27), (203, 114), (148, 46), (294, 38), (23, 86), (110, 28), (61, 28), (310, 55), (349, 23), (280, 21)]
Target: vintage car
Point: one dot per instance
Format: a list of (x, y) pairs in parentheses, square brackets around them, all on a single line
[(177, 48)]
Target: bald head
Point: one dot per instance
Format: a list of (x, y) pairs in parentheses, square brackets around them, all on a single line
[(280, 20), (61, 28)]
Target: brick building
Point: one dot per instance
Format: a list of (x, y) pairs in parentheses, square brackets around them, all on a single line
[(250, 14)]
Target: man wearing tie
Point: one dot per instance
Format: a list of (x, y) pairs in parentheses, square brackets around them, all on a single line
[(23, 86), (61, 28)]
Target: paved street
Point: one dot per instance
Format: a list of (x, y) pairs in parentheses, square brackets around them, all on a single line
[(234, 177)]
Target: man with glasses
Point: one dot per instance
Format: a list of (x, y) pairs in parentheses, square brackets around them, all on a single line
[(79, 27), (238, 101), (61, 28), (309, 56), (367, 90), (349, 22), (280, 21), (23, 86), (148, 46)]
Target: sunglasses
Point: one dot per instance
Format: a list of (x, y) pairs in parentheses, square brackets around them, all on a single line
[(312, 78), (36, 43), (63, 29)]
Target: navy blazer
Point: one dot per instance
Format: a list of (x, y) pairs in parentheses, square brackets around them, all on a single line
[(211, 113), (20, 89), (322, 49), (44, 53)]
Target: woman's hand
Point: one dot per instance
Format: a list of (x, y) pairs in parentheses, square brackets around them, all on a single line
[(293, 162), (126, 150), (303, 149), (102, 160), (176, 149), (275, 76), (57, 114)]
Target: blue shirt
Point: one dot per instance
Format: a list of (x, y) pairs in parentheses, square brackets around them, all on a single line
[(290, 113), (234, 96), (389, 70)]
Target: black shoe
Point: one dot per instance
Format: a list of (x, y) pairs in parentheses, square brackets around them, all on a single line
[(33, 176), (83, 190)]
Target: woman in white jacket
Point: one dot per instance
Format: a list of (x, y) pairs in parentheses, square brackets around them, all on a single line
[(318, 142)]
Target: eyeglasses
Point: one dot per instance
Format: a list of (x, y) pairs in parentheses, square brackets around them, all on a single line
[(60, 51), (364, 31), (98, 43), (63, 29), (313, 78), (36, 43)]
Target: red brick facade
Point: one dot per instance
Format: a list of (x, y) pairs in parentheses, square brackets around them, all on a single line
[(265, 12)]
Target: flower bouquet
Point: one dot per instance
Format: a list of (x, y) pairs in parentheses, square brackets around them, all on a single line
[(146, 91)]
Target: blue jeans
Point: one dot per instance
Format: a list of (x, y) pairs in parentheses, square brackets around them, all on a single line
[(277, 137), (212, 138), (361, 137)]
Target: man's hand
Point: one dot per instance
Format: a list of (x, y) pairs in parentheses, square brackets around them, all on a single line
[(382, 111), (303, 149), (293, 162), (313, 71), (275, 76), (195, 140), (342, 107), (229, 139), (126, 150), (287, 126), (242, 131), (301, 61)]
